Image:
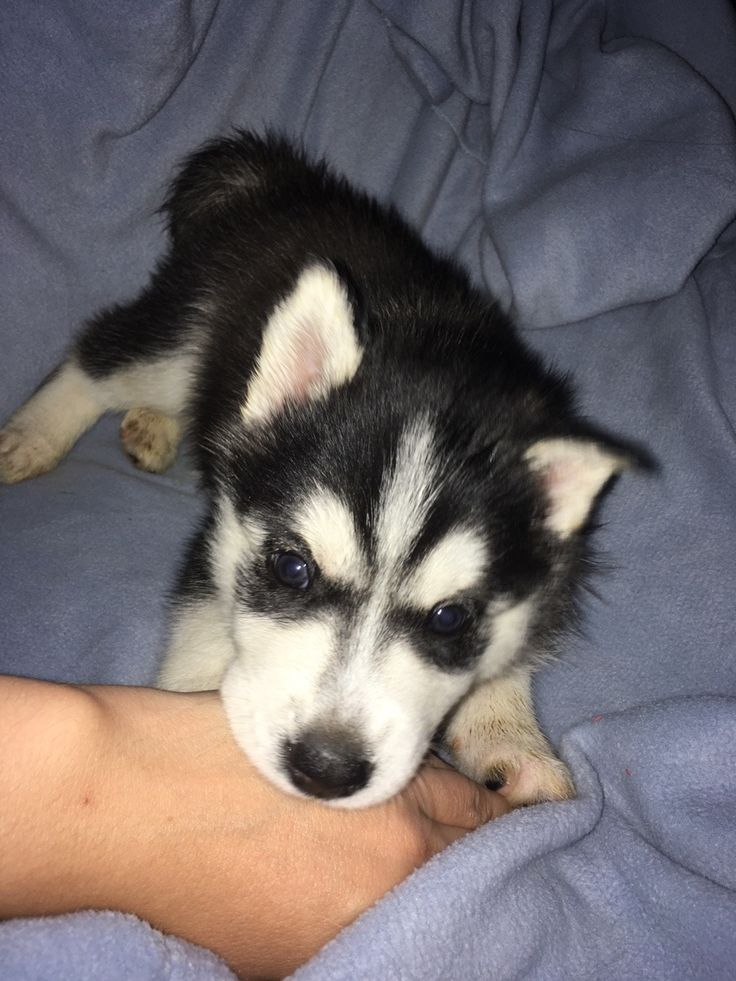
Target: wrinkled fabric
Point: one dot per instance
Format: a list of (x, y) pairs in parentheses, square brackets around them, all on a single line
[(101, 945), (579, 158)]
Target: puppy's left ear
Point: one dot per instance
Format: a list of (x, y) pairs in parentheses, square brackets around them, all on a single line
[(309, 345), (573, 471)]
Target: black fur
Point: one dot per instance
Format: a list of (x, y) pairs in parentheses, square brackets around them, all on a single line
[(246, 215)]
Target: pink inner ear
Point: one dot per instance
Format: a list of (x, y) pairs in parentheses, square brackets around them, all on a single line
[(308, 364), (561, 479)]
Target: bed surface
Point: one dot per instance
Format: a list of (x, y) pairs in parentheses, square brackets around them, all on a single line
[(579, 158)]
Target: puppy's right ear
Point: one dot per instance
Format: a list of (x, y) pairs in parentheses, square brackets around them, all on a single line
[(309, 345), (573, 471)]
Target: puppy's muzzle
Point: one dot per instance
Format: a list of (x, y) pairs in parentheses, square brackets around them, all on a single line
[(327, 765)]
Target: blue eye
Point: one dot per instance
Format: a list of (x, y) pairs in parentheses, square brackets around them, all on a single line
[(291, 570), (448, 619)]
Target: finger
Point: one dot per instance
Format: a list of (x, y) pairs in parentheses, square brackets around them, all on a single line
[(448, 798), (442, 835)]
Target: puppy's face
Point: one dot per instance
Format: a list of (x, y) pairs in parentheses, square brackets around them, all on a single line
[(359, 619), (377, 562)]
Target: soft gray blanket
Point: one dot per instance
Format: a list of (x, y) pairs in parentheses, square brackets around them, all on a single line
[(580, 159)]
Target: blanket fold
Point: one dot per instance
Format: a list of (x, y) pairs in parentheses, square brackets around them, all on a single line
[(578, 157)]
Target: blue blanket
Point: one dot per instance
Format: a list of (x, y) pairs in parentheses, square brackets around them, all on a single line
[(580, 159)]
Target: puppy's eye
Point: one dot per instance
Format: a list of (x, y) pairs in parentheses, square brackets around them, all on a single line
[(448, 619), (291, 570)]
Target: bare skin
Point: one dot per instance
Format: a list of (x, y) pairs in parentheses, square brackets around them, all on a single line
[(139, 800)]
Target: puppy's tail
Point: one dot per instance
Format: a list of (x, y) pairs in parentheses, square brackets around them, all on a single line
[(225, 171)]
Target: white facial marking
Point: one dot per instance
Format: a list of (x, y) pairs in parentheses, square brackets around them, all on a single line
[(510, 627), (455, 564), (347, 669), (327, 525), (309, 346), (400, 703), (407, 494), (272, 689), (289, 677), (235, 539)]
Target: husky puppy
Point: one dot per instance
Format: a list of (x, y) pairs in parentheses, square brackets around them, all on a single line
[(399, 490)]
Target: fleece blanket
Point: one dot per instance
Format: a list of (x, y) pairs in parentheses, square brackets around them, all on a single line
[(579, 157)]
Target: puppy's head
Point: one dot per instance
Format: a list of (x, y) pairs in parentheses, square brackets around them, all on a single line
[(383, 541)]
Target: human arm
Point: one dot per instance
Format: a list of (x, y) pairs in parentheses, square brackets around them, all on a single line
[(140, 800)]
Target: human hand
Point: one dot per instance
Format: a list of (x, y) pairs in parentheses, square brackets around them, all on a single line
[(163, 816), (261, 877)]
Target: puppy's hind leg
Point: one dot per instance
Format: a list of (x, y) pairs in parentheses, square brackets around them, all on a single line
[(39, 434), (133, 357), (71, 400), (68, 402), (151, 439)]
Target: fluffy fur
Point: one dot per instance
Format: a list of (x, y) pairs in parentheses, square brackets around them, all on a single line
[(399, 489)]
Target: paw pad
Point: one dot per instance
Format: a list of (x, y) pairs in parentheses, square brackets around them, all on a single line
[(150, 439), (24, 454)]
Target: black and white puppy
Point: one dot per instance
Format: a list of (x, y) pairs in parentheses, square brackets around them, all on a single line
[(399, 491)]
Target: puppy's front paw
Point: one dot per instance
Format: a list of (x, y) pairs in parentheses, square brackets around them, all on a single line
[(24, 454), (151, 439), (524, 769), (525, 776), (496, 740)]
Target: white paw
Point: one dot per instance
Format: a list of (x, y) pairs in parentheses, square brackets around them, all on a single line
[(150, 439), (524, 770), (24, 454)]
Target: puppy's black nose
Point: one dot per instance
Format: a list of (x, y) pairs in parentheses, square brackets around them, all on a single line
[(325, 765)]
